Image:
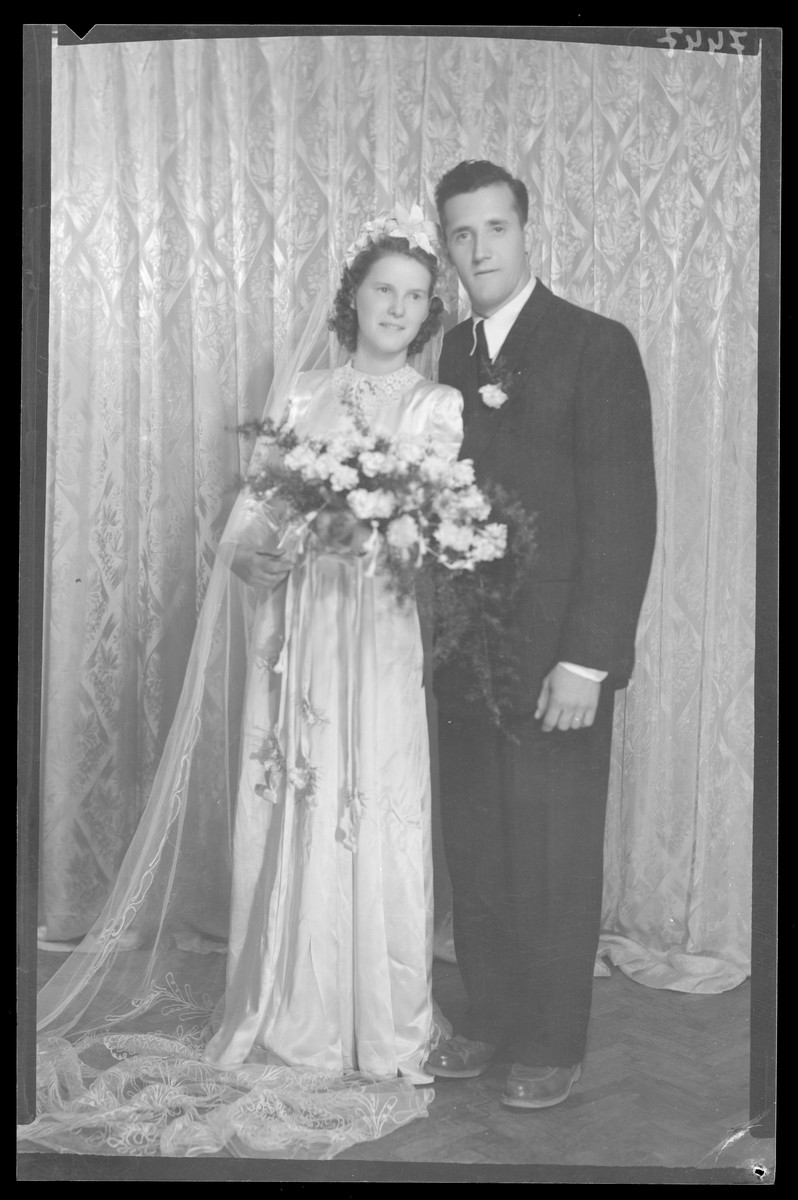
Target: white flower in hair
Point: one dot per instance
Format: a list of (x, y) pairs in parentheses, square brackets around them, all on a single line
[(400, 223), (411, 225)]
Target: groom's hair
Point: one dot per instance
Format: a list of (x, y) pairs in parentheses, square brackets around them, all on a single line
[(473, 174)]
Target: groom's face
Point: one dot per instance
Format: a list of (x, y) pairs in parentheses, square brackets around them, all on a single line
[(488, 245)]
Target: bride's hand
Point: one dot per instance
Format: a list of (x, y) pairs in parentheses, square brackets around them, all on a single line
[(341, 531), (261, 568)]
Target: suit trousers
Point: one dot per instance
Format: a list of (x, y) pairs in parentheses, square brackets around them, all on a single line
[(523, 828)]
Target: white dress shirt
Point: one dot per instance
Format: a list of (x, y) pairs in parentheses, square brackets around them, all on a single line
[(497, 327)]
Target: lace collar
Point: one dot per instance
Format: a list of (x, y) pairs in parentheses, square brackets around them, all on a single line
[(356, 385)]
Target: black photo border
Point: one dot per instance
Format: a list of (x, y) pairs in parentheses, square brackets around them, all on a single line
[(37, 42)]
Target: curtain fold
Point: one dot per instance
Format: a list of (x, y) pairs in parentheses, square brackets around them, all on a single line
[(200, 189)]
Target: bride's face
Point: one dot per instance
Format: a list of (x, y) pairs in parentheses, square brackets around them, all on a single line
[(392, 303)]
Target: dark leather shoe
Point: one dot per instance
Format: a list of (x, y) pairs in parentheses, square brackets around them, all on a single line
[(460, 1058), (539, 1087)]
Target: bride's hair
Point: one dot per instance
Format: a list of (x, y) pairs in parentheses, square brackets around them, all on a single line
[(343, 321)]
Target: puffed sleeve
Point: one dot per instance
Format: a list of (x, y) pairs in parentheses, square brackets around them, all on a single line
[(446, 426), (254, 521)]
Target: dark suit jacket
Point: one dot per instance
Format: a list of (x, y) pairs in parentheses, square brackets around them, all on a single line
[(573, 444)]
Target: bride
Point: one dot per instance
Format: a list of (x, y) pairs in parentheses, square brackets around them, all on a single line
[(289, 821)]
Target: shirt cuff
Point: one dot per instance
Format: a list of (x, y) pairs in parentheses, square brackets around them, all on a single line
[(586, 672)]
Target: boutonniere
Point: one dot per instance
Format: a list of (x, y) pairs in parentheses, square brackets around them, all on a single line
[(493, 395), (498, 388)]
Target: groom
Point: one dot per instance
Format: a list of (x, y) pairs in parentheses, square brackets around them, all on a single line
[(523, 817)]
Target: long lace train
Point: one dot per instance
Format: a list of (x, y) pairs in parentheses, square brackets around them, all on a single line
[(147, 1094)]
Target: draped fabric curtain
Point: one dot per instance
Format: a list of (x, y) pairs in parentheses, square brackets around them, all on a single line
[(201, 191)]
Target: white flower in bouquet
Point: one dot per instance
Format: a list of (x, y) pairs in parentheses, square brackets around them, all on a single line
[(302, 458), (462, 473), (324, 466), (445, 505), (371, 506), (466, 505), (472, 503), (343, 478), (435, 469), (490, 543), (403, 534), (375, 462), (452, 536), (409, 454), (413, 498)]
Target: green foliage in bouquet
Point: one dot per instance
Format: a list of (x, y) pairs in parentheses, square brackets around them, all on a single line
[(475, 615)]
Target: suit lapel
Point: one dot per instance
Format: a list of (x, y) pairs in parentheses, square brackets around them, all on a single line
[(469, 386), (486, 422)]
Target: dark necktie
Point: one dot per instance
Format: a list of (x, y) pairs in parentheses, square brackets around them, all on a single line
[(484, 372)]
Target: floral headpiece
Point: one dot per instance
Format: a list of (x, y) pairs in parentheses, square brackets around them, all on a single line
[(399, 224)]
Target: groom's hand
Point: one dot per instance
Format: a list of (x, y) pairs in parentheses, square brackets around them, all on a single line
[(567, 700)]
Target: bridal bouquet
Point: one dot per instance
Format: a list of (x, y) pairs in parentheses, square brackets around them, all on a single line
[(396, 501), (432, 532)]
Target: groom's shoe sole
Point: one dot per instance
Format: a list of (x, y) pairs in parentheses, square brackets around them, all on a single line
[(465, 1073)]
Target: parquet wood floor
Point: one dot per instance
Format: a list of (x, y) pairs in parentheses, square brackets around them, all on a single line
[(665, 1084), (665, 1081)]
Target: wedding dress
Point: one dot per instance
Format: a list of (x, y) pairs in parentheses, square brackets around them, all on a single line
[(289, 1015)]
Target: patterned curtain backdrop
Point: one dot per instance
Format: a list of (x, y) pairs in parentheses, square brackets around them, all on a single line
[(199, 190)]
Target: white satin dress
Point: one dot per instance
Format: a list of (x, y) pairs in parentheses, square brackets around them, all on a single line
[(330, 948)]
